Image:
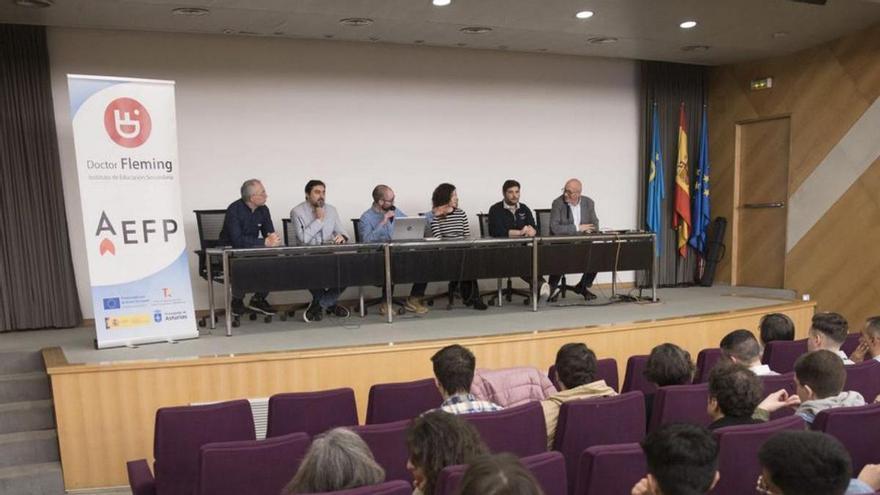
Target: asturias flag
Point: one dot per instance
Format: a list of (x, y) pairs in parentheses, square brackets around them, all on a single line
[(681, 220), (702, 211), (656, 187)]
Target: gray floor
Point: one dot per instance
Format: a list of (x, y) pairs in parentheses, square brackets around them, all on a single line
[(440, 323)]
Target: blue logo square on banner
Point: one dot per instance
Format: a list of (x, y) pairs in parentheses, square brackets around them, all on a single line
[(111, 303)]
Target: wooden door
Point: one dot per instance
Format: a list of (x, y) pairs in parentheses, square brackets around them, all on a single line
[(761, 207)]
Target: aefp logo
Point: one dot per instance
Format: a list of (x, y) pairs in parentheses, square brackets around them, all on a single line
[(127, 122)]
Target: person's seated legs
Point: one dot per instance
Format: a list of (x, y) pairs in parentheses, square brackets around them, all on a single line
[(681, 458), (325, 300), (414, 301)]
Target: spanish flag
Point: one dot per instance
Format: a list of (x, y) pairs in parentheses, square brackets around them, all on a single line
[(681, 220)]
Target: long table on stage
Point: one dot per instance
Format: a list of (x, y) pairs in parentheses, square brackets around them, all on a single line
[(400, 262)]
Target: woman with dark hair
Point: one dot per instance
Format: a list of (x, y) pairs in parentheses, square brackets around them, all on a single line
[(501, 474), (668, 364), (449, 222), (438, 439)]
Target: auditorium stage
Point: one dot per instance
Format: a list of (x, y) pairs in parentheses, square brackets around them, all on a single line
[(106, 400)]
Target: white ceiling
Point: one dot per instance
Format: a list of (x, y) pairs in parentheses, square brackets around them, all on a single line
[(735, 30)]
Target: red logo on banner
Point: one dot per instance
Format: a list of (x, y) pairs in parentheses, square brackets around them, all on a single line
[(107, 246), (127, 122)]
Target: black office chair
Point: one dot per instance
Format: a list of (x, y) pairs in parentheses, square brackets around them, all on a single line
[(289, 236), (400, 303), (542, 219), (210, 223), (507, 292)]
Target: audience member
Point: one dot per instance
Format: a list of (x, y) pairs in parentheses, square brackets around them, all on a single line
[(828, 331), (454, 372), (668, 364), (435, 440), (819, 377), (682, 460), (575, 374), (734, 393), (500, 474), (337, 460), (869, 342), (741, 346), (810, 463), (776, 326)]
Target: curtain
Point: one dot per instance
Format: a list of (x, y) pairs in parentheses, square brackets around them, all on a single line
[(668, 85), (37, 286)]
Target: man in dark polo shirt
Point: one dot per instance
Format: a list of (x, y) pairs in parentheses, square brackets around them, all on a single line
[(248, 224), (510, 218)]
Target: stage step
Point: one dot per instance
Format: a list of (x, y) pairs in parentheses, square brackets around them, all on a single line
[(26, 416), (32, 479), (21, 387), (21, 362), (28, 447)]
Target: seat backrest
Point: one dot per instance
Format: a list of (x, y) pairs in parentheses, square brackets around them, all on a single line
[(255, 467), (209, 223), (542, 221), (311, 412), (601, 421), (772, 383), (635, 376), (780, 355), (856, 428), (396, 487), (606, 369), (526, 420), (680, 404), (607, 469), (181, 432), (852, 341), (388, 444), (738, 453), (483, 220), (355, 223), (864, 378), (289, 234), (706, 360), (548, 468), (405, 400)]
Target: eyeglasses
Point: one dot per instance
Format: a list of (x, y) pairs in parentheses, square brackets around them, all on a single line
[(571, 193)]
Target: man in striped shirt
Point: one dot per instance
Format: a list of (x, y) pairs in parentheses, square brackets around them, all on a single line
[(449, 222)]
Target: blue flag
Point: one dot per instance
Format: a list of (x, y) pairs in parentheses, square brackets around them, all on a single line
[(701, 212), (656, 187)]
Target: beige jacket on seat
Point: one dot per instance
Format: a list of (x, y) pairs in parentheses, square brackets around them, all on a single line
[(553, 403)]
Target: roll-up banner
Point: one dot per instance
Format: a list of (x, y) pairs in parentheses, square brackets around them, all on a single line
[(125, 133)]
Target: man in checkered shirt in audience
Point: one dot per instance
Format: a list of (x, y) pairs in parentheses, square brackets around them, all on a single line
[(454, 371)]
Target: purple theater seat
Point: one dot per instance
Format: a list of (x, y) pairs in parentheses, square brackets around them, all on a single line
[(856, 428), (255, 467), (864, 378), (635, 376), (396, 487), (547, 468), (680, 404), (519, 430), (781, 354), (738, 453), (772, 383), (389, 402), (606, 369), (311, 412), (601, 421), (851, 342), (706, 360), (179, 434), (610, 469), (388, 444)]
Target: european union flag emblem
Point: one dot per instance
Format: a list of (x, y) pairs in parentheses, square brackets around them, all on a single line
[(111, 303)]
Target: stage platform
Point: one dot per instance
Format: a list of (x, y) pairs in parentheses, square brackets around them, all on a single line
[(105, 400)]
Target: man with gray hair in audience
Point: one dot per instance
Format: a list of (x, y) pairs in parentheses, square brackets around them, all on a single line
[(869, 342), (741, 347)]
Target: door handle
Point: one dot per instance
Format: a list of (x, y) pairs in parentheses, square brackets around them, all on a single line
[(779, 204)]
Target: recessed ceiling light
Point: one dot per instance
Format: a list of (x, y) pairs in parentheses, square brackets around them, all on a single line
[(35, 4), (356, 21), (190, 11), (475, 30), (329, 36), (688, 24), (602, 40), (228, 31), (441, 3), (584, 14), (695, 48), (419, 42), (374, 38), (461, 44)]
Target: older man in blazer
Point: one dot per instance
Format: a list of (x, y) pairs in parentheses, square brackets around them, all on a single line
[(573, 214)]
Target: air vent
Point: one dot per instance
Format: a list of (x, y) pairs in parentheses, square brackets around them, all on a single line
[(602, 40), (356, 21), (476, 30)]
